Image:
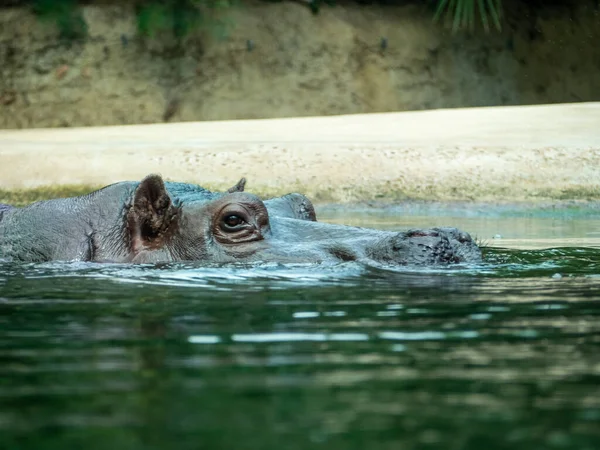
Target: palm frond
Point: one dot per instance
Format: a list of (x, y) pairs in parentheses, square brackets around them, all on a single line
[(461, 13)]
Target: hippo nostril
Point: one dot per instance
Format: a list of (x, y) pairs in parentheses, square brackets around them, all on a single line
[(342, 253), (463, 238), (422, 233)]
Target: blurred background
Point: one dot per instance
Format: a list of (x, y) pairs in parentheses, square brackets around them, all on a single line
[(66, 63)]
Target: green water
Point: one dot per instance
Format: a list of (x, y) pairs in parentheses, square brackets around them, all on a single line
[(504, 354)]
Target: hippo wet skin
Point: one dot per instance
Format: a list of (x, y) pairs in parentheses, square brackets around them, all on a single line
[(152, 221)]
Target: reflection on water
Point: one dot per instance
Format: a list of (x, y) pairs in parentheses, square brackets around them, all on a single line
[(507, 226), (503, 354)]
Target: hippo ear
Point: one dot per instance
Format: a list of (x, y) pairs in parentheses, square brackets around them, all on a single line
[(152, 217), (239, 187)]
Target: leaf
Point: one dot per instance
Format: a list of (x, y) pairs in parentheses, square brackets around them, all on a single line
[(462, 13)]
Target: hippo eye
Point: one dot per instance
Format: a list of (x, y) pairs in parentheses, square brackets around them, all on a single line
[(233, 222), (240, 220)]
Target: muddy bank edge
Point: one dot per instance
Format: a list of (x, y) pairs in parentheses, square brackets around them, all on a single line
[(506, 154)]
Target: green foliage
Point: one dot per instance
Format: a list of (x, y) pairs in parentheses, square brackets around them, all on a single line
[(22, 197), (66, 14), (181, 17), (462, 13)]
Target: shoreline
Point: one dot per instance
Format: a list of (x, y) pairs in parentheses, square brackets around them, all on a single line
[(524, 154)]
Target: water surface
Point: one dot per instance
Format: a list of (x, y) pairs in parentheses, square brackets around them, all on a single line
[(503, 354)]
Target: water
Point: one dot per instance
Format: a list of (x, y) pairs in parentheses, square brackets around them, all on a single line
[(504, 354)]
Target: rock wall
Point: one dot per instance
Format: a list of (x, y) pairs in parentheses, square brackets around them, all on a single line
[(279, 60)]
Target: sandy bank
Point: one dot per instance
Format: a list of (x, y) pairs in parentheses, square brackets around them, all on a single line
[(532, 153)]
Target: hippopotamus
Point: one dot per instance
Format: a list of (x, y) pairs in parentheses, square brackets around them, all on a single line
[(152, 221)]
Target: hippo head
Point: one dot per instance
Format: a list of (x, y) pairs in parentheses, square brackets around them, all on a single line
[(223, 229), (238, 226)]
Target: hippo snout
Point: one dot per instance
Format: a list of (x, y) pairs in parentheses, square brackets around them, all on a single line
[(431, 246)]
